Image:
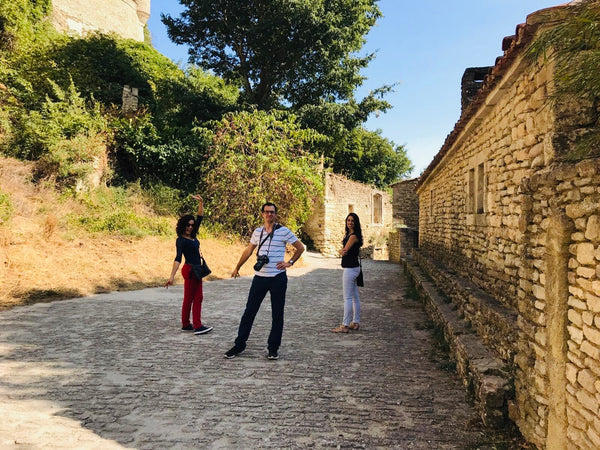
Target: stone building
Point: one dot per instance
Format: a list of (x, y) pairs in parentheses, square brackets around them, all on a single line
[(405, 204), (325, 227), (126, 18), (509, 232)]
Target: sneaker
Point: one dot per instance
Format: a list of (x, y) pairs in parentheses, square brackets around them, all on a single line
[(188, 327), (233, 352), (272, 354), (202, 330)]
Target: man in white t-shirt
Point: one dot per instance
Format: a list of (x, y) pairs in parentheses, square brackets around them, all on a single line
[(269, 276)]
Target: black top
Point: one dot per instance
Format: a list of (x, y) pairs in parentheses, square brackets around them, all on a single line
[(350, 259), (189, 248)]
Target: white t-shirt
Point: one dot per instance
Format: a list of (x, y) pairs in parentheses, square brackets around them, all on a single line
[(273, 248)]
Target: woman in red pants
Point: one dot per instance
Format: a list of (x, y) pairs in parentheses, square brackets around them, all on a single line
[(188, 246)]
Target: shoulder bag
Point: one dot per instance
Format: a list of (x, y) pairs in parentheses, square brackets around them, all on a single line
[(359, 279)]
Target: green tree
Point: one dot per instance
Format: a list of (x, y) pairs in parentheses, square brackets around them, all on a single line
[(295, 51), (370, 158), (257, 157), (349, 149)]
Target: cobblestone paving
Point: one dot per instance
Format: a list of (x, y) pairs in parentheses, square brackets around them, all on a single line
[(114, 370)]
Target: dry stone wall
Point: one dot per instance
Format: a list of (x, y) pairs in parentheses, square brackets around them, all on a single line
[(406, 203), (559, 358), (126, 18), (503, 210), (507, 146)]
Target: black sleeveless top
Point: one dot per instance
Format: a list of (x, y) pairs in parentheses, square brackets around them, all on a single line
[(189, 248), (350, 259)]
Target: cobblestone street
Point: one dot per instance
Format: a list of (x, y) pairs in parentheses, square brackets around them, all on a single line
[(114, 370)]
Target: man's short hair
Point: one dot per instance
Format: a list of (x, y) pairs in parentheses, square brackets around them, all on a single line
[(262, 209)]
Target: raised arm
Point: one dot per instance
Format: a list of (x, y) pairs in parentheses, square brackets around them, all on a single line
[(200, 204)]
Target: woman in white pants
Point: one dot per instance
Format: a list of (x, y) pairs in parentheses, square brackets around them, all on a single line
[(351, 246)]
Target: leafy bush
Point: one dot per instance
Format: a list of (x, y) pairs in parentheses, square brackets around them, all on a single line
[(70, 162), (21, 22), (257, 157), (165, 200), (6, 209), (126, 223), (140, 153), (100, 65), (65, 117), (66, 137), (120, 210)]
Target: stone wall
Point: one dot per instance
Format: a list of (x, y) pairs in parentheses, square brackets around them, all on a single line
[(401, 243), (126, 18), (471, 208), (405, 203), (559, 354), (326, 225), (499, 208)]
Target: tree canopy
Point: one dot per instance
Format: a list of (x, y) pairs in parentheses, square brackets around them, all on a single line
[(301, 56), (293, 51)]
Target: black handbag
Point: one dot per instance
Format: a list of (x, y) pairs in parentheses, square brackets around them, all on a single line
[(359, 279), (201, 270)]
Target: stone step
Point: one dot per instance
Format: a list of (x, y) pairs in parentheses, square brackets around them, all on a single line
[(495, 323), (484, 374)]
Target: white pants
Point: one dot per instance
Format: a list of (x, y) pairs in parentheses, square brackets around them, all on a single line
[(351, 298)]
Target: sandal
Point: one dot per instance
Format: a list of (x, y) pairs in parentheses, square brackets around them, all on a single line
[(340, 329), (354, 326)]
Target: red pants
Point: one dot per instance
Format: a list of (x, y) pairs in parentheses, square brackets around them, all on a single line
[(192, 298)]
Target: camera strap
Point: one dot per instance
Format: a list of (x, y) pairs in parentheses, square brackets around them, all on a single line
[(270, 235)]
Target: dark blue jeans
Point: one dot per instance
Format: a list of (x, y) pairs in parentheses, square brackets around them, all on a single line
[(277, 286)]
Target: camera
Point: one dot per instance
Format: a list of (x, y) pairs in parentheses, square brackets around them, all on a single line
[(261, 260)]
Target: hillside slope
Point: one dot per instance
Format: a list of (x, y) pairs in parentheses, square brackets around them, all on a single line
[(44, 259)]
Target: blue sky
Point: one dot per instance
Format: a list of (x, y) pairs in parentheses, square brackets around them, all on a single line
[(425, 46)]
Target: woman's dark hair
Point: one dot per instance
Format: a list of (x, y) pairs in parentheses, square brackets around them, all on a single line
[(357, 228), (182, 224)]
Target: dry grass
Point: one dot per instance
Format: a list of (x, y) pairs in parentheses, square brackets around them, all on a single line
[(43, 261)]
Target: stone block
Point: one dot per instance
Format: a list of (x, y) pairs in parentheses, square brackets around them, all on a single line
[(587, 379), (594, 436), (539, 292), (593, 334), (587, 400), (592, 231), (584, 283), (571, 373), (575, 317), (576, 334), (576, 419), (586, 253), (586, 272)]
